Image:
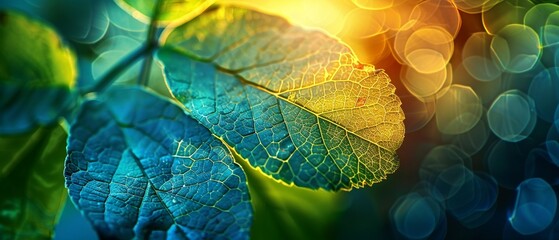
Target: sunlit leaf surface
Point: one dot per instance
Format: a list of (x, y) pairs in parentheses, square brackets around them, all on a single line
[(31, 184), (171, 11), (297, 104), (36, 72), (154, 173)]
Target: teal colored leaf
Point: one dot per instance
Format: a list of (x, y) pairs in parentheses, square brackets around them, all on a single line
[(138, 167), (296, 104), (37, 72), (31, 184)]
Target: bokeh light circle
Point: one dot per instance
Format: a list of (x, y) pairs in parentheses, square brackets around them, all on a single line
[(535, 206), (516, 48), (426, 86), (429, 49), (504, 14), (476, 57), (537, 19), (512, 116), (416, 216), (458, 110), (544, 90)]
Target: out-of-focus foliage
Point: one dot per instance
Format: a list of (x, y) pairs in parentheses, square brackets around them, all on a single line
[(171, 12), (285, 212), (37, 71), (31, 185), (155, 173)]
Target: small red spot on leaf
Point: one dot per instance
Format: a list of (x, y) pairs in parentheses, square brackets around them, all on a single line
[(360, 102), (359, 66)]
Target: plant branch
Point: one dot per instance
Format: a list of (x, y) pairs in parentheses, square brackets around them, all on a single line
[(117, 69), (152, 42), (145, 51)]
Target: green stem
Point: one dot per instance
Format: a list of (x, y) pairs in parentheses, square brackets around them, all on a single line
[(144, 51), (151, 41), (116, 70)]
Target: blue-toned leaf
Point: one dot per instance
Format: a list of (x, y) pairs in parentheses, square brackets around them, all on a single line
[(32, 192), (37, 72), (295, 103), (137, 166)]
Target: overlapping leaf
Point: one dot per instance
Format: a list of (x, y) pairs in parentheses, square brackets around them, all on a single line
[(36, 74), (171, 11), (297, 104), (32, 191), (154, 173)]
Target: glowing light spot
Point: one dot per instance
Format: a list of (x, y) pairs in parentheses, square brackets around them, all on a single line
[(415, 216), (474, 201), (551, 30), (512, 116), (544, 89), (476, 56), (426, 86), (374, 4), (458, 110), (437, 13), (535, 207), (472, 141), (516, 48), (475, 6), (429, 49), (536, 18), (504, 14), (441, 158), (361, 23)]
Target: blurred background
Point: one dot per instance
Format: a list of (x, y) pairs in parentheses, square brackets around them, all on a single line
[(479, 84)]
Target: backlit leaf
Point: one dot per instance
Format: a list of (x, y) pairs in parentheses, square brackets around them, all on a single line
[(137, 166), (171, 12), (296, 103), (284, 212), (36, 73), (31, 184)]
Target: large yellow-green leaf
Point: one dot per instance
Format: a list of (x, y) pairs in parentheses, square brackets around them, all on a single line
[(171, 11), (36, 73), (32, 190), (295, 103)]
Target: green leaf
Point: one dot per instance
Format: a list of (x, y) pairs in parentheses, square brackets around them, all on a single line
[(296, 103), (284, 212), (172, 12), (31, 183), (138, 167), (36, 73)]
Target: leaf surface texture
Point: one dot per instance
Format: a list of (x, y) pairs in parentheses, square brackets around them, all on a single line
[(155, 173), (296, 103)]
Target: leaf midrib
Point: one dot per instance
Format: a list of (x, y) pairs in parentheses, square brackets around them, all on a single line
[(148, 179), (243, 81)]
